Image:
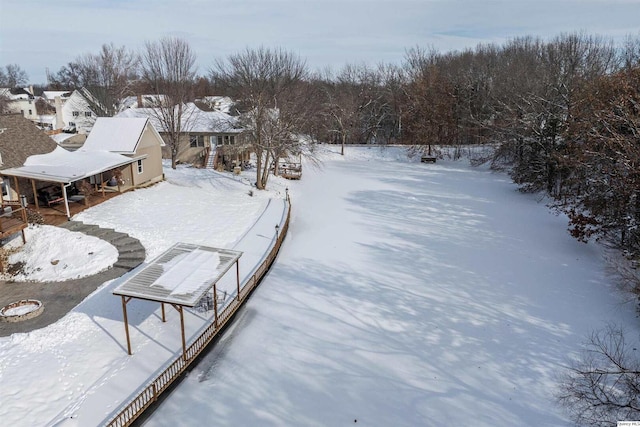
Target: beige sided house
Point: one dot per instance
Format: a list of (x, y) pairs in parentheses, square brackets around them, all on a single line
[(118, 155), (135, 138)]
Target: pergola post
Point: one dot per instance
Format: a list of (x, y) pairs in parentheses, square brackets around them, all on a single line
[(126, 322), (184, 343), (238, 276), (215, 306)]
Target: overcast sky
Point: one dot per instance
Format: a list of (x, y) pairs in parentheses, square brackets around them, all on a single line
[(37, 34)]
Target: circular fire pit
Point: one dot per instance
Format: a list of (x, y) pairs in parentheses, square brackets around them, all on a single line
[(21, 310)]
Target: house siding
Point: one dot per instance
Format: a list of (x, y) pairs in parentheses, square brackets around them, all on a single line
[(152, 165)]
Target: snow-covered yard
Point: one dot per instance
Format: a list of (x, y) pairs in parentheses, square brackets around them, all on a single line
[(405, 294)]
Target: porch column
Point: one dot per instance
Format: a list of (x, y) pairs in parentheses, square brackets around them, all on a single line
[(35, 193), (15, 183), (66, 201)]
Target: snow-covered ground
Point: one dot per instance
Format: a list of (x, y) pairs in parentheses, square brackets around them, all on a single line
[(405, 294), (54, 373)]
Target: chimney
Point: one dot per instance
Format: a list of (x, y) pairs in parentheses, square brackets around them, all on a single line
[(139, 101), (59, 121)]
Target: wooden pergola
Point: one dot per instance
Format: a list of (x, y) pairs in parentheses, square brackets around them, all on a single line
[(181, 276)]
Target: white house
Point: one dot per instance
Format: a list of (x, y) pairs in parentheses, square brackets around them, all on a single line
[(76, 112)]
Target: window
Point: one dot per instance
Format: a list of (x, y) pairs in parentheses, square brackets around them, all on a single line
[(30, 112), (72, 124), (87, 113), (219, 139), (196, 140), (229, 140), (76, 113), (139, 166)]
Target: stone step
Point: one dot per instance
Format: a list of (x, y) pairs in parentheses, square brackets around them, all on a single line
[(124, 242), (130, 247), (71, 225), (128, 264), (86, 228), (131, 253), (100, 232), (117, 238), (137, 255)]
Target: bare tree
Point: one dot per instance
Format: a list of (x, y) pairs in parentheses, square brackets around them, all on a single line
[(168, 66), (603, 385), (13, 76), (266, 83), (104, 78)]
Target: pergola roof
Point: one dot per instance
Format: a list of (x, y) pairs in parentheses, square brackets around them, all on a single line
[(181, 275), (68, 166)]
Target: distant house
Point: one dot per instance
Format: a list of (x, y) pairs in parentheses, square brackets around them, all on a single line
[(118, 155), (21, 100), (217, 103), (77, 113), (209, 138)]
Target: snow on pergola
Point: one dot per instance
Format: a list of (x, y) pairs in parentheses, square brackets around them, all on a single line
[(180, 276)]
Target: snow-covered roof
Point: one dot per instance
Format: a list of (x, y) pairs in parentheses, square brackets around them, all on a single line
[(65, 166), (116, 134), (181, 275), (50, 95), (219, 103), (147, 101), (193, 119)]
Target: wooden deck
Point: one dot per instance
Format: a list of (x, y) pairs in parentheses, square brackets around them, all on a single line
[(56, 214), (291, 170), (12, 222)]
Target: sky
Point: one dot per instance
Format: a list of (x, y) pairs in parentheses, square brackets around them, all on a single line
[(41, 34)]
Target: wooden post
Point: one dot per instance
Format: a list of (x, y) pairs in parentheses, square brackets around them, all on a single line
[(163, 316), (66, 201), (15, 183), (126, 323), (184, 343), (238, 276), (35, 193), (215, 306)]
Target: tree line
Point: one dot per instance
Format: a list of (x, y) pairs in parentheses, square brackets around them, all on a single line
[(562, 114)]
